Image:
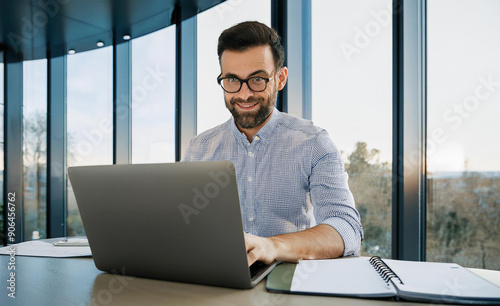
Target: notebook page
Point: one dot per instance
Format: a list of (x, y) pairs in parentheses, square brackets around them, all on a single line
[(344, 277), (440, 281)]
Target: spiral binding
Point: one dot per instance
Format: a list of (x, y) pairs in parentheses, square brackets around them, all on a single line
[(383, 270)]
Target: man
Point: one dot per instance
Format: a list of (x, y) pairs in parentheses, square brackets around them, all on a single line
[(294, 197)]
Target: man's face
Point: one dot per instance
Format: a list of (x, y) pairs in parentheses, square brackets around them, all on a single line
[(250, 109)]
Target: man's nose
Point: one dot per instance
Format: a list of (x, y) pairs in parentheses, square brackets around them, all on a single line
[(244, 92)]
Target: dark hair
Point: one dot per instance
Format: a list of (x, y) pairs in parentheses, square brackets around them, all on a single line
[(251, 34)]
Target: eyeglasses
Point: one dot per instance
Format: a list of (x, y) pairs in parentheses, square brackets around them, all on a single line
[(233, 85)]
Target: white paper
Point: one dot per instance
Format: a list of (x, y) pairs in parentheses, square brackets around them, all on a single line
[(344, 276), (440, 281), (45, 249)]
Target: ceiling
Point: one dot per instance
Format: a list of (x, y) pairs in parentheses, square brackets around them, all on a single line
[(34, 28)]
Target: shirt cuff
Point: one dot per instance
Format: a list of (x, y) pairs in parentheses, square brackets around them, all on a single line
[(351, 237)]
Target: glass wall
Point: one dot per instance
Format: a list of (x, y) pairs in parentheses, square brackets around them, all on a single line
[(35, 148), (153, 97), (352, 100), (463, 205), (1, 141), (210, 98), (89, 118)]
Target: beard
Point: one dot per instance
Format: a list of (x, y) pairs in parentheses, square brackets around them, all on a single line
[(250, 120)]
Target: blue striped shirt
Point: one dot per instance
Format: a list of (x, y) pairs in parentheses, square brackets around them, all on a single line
[(290, 177)]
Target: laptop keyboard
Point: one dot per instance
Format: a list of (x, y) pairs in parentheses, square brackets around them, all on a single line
[(256, 267)]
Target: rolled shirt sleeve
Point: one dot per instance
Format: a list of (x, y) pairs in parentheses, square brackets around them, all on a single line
[(330, 195)]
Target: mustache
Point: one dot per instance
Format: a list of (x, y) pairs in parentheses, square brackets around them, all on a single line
[(249, 100)]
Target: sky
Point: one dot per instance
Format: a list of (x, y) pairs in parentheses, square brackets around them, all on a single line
[(463, 48)]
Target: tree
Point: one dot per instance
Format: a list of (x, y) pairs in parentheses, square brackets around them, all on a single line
[(34, 157), (370, 182)]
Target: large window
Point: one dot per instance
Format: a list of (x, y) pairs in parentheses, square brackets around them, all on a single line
[(89, 118), (153, 97), (463, 210), (210, 101), (352, 100), (35, 148)]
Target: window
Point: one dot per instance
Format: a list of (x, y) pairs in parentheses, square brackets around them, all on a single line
[(153, 97), (463, 146), (210, 98), (35, 148), (89, 118), (352, 100)]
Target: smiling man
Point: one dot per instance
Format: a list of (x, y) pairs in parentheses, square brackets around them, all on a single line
[(294, 197)]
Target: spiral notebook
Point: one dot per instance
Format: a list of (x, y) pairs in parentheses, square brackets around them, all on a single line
[(366, 277)]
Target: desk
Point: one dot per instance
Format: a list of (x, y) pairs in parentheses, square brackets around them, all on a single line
[(76, 281)]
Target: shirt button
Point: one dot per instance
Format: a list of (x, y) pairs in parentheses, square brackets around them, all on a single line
[(256, 138), (250, 154), (249, 178), (250, 219)]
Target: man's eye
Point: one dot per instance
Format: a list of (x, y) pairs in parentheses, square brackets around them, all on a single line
[(233, 80), (257, 79)]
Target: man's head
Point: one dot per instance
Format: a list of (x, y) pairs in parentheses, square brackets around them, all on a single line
[(252, 52), (245, 35)]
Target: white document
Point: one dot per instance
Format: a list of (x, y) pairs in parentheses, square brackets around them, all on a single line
[(42, 248), (441, 281), (344, 276), (408, 280)]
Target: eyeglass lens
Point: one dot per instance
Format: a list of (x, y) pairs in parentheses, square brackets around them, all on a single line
[(234, 84)]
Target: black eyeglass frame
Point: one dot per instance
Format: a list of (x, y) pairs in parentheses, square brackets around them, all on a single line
[(219, 80)]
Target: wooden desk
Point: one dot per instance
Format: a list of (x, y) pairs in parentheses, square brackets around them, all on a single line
[(76, 281)]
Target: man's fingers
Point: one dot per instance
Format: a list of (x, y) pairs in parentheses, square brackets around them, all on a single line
[(249, 243), (251, 258), (258, 248)]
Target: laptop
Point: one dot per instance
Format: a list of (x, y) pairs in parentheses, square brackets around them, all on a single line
[(175, 221)]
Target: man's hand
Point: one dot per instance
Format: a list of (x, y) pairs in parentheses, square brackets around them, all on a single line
[(259, 248), (319, 242)]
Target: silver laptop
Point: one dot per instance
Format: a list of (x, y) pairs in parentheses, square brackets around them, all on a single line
[(176, 222)]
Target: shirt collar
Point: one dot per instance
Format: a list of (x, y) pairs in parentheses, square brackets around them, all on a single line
[(267, 131), (264, 134)]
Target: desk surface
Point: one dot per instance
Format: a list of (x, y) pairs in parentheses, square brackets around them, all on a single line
[(76, 281)]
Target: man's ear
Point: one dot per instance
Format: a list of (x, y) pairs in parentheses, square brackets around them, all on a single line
[(282, 77)]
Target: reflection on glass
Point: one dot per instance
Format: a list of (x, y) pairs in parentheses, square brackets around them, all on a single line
[(89, 118), (35, 148), (210, 99), (463, 145), (153, 97), (352, 100), (1, 141)]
